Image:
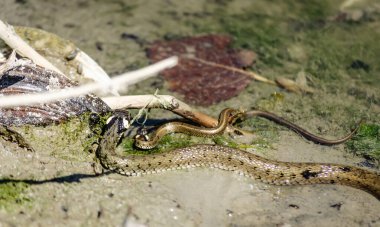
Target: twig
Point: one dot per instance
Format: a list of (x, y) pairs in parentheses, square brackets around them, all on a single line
[(124, 80), (253, 75), (160, 101), (92, 69)]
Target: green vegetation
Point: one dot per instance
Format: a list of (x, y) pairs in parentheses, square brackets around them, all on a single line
[(168, 142), (265, 132), (70, 140), (13, 193), (366, 142), (224, 141), (96, 123)]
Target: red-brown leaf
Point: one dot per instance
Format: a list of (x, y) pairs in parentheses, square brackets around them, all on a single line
[(200, 75)]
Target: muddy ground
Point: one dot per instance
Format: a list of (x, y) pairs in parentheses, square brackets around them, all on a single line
[(334, 42)]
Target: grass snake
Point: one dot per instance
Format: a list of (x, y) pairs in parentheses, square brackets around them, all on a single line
[(242, 162)]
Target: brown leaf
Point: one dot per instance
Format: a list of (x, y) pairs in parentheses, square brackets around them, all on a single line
[(205, 74)]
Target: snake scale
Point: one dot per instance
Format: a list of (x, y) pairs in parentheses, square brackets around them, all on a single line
[(242, 162)]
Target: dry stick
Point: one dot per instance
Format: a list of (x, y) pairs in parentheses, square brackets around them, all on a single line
[(251, 74), (91, 69), (52, 96), (160, 101), (14, 41)]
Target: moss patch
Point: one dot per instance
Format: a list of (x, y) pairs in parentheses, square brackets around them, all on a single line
[(168, 142), (225, 141), (68, 140), (13, 194), (366, 142)]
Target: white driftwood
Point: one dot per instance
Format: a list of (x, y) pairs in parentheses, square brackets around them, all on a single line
[(116, 82), (92, 70)]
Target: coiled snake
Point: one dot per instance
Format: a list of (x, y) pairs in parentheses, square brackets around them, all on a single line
[(248, 164)]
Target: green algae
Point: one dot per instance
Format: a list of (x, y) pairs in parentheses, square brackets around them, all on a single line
[(266, 132), (13, 194), (366, 142), (271, 102), (225, 141), (71, 140), (168, 142)]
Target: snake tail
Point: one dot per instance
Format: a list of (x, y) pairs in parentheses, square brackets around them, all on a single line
[(299, 130)]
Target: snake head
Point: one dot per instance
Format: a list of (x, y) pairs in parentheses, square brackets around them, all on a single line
[(235, 115), (142, 134), (120, 117)]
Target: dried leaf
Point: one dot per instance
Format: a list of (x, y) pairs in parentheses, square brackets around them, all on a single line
[(205, 74), (299, 86)]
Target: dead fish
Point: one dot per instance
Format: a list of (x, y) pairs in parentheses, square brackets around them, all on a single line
[(30, 78)]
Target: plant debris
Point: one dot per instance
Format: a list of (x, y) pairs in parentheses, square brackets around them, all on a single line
[(298, 86), (209, 71)]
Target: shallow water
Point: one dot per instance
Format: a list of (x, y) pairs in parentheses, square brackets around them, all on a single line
[(289, 36)]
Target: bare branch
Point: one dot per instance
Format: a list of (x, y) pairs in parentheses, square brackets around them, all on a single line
[(253, 75), (161, 101), (116, 82)]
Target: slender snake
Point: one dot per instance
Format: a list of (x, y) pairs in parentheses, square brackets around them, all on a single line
[(248, 164), (227, 116)]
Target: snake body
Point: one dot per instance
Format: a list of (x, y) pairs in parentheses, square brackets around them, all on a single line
[(248, 164), (226, 116)]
